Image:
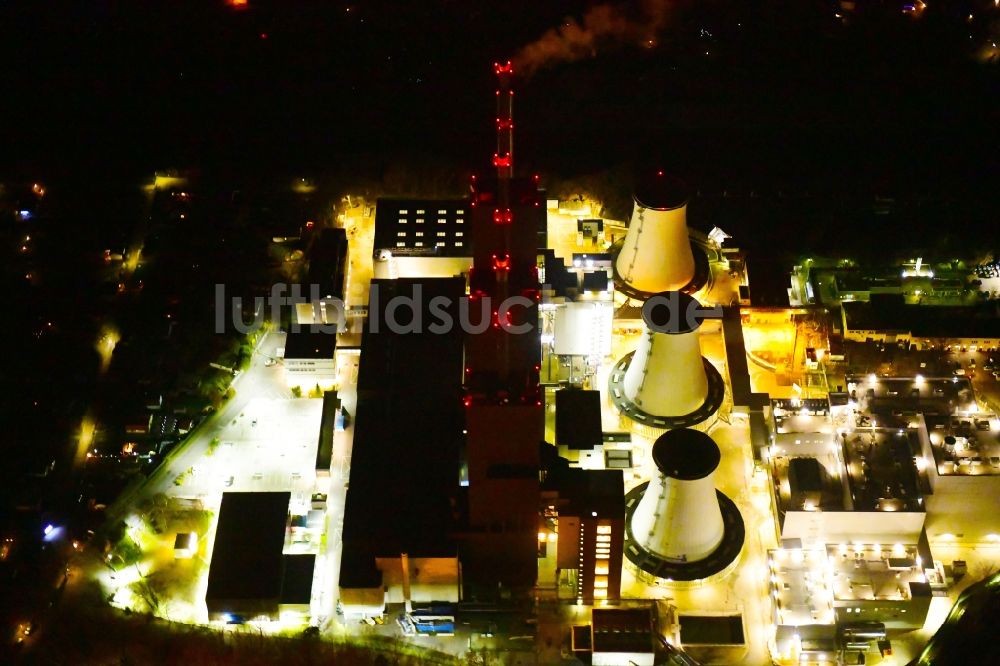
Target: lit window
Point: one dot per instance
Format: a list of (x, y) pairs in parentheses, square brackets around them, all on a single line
[(442, 233), (460, 211), (601, 568), (603, 538), (403, 212), (402, 220), (419, 234), (401, 234), (459, 234), (601, 593), (420, 211), (442, 211), (419, 244), (442, 220), (400, 244), (604, 529), (459, 244), (419, 220), (603, 556), (600, 581), (459, 220), (440, 243)]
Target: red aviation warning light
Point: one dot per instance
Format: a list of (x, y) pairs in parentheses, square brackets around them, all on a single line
[(503, 158), (501, 264), (502, 216)]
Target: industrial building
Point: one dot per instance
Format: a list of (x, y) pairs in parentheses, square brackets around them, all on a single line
[(422, 237), (247, 572), (889, 319), (327, 259), (403, 493), (309, 356), (587, 507)]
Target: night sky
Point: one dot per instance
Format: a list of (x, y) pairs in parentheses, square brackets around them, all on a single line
[(785, 90)]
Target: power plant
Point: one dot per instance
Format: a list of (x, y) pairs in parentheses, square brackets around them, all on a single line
[(665, 382), (678, 525)]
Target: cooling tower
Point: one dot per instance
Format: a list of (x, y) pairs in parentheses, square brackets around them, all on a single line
[(656, 254), (667, 376), (666, 382), (678, 525), (679, 517)]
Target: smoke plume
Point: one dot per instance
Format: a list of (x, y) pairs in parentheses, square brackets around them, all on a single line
[(601, 24)]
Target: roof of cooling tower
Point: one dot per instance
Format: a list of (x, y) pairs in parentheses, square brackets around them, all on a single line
[(686, 454), (674, 312), (660, 191)]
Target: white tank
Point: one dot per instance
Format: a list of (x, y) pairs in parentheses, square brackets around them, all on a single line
[(583, 328), (679, 517), (666, 376), (656, 254)]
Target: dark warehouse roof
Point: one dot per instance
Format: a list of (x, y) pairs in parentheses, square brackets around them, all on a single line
[(408, 428), (247, 564)]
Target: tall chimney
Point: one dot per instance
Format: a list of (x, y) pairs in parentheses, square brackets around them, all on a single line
[(404, 563), (503, 159)]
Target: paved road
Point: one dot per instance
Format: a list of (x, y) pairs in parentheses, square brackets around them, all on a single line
[(258, 381)]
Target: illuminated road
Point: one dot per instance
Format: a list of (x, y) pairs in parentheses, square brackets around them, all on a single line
[(258, 381)]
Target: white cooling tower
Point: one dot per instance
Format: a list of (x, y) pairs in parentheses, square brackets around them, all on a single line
[(679, 517), (666, 376), (656, 254)]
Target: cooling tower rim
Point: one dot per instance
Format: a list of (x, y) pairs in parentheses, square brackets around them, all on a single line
[(718, 563), (686, 317), (685, 454), (714, 399), (661, 191)]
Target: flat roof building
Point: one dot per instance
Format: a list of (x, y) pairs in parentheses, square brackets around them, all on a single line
[(309, 356), (246, 574), (327, 263), (422, 237), (590, 523), (578, 419), (407, 438)]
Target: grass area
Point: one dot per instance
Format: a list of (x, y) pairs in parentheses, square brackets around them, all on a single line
[(84, 632)]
